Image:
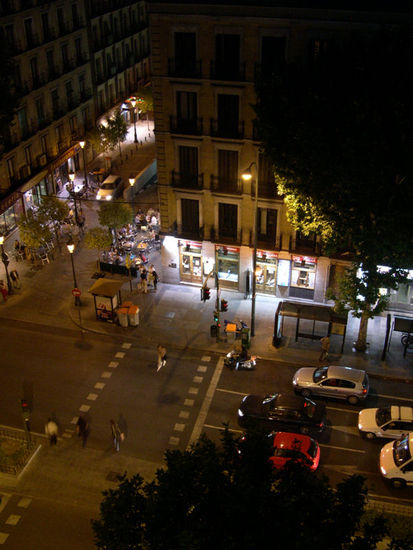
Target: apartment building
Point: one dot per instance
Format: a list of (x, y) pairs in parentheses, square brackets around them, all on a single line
[(74, 59), (205, 58)]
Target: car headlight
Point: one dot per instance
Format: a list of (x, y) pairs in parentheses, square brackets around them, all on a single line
[(98, 197), (383, 471), (294, 382), (229, 355), (109, 197), (240, 413), (360, 427)]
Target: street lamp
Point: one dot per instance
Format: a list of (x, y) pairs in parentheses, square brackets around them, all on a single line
[(133, 103), (71, 249), (5, 259), (72, 179), (131, 181), (82, 145), (247, 176)]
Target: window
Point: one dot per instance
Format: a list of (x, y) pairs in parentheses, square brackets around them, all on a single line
[(40, 110), (78, 48), (190, 216), (185, 52), (267, 224), (272, 54), (69, 92), (65, 56), (34, 70), (28, 29), (82, 84), (22, 118), (228, 220), (55, 101), (45, 25), (346, 384), (188, 165), (227, 55), (228, 115), (50, 63), (60, 20), (73, 124), (9, 32), (28, 154), (227, 170), (319, 49), (186, 105), (75, 16), (10, 168), (44, 144)]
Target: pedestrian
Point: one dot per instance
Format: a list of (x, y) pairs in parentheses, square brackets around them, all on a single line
[(144, 280), (154, 279), (4, 291), (161, 357), (14, 276), (82, 429), (51, 429), (116, 435), (325, 347)]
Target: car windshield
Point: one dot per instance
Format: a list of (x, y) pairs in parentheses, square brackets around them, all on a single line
[(309, 408), (269, 399), (383, 415), (312, 450), (289, 453), (320, 374), (108, 186), (401, 451)]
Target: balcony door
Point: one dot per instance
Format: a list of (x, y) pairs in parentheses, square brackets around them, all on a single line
[(190, 217), (227, 170), (227, 55), (228, 218), (185, 53), (228, 115), (188, 166)]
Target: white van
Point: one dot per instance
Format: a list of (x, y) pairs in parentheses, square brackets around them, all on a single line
[(110, 188), (396, 461)]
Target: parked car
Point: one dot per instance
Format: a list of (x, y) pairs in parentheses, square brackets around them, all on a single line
[(333, 381), (391, 422), (280, 412), (298, 447), (396, 462), (110, 188)]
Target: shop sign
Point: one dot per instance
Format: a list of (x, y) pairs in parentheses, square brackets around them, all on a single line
[(63, 158), (283, 273), (306, 259), (263, 254), (9, 201), (227, 250)]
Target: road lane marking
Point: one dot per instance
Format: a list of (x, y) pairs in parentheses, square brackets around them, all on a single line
[(106, 374), (13, 519), (196, 432), (126, 345), (174, 441), (99, 385), (342, 448), (3, 537), (202, 368), (193, 391), (233, 392), (397, 499), (221, 428), (341, 410), (179, 427), (113, 364), (120, 355), (347, 468), (92, 396), (184, 414), (197, 379), (189, 402), (397, 397), (84, 408), (206, 358), (350, 430)]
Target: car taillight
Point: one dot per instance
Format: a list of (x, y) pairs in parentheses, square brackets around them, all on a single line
[(364, 390)]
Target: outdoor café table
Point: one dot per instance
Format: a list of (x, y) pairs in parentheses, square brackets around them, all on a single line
[(142, 245)]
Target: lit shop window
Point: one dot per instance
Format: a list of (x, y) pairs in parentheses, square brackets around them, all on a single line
[(303, 272)]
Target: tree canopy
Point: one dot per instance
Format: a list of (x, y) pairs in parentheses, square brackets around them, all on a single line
[(33, 230), (98, 238), (210, 496)]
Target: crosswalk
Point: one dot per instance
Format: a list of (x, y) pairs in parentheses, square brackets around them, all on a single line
[(12, 510)]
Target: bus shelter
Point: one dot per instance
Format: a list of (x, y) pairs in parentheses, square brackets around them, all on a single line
[(335, 323)]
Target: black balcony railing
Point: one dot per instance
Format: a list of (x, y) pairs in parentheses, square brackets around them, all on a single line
[(185, 68), (220, 184), (266, 190), (187, 181), (227, 71), (185, 126), (224, 129)]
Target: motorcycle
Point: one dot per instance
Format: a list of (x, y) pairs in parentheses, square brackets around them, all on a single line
[(235, 362), (239, 327)]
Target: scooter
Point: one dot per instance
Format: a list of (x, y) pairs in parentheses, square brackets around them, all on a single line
[(234, 362)]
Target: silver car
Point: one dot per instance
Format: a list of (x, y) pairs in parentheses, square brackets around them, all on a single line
[(333, 381)]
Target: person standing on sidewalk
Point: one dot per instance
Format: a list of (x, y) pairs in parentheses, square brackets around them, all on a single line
[(4, 291), (116, 435), (325, 347), (51, 429), (161, 357), (144, 280), (82, 429)]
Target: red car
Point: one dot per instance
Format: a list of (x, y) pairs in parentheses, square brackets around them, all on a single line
[(289, 446)]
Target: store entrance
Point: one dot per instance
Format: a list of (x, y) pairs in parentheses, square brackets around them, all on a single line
[(191, 265), (266, 271)]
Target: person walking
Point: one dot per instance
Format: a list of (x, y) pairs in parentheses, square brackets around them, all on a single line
[(14, 276), (144, 280), (4, 291), (82, 429), (116, 435), (51, 429), (161, 357), (325, 347)]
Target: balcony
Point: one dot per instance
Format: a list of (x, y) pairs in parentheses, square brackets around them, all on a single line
[(183, 126), (223, 129), (228, 71), (185, 68), (303, 245), (187, 181), (233, 186), (266, 190)]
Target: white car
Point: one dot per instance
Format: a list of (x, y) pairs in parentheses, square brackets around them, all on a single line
[(391, 422), (396, 463), (109, 189)]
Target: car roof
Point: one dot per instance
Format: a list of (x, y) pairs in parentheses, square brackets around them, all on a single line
[(111, 179), (289, 440), (348, 373), (401, 413), (289, 401)]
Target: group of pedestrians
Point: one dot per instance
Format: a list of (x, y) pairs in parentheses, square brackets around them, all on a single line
[(146, 278), (83, 430)]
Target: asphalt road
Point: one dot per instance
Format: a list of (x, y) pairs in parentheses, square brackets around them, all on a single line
[(62, 373)]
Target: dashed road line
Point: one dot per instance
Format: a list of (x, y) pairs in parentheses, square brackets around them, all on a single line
[(99, 385), (13, 519), (206, 358), (189, 402), (341, 410), (197, 379), (184, 414), (92, 396), (179, 427), (193, 391), (397, 397), (3, 537), (221, 428), (174, 440), (106, 374), (84, 408), (231, 391), (126, 345), (120, 355), (202, 368), (342, 448), (113, 364)]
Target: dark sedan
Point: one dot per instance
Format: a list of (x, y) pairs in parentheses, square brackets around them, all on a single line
[(280, 412)]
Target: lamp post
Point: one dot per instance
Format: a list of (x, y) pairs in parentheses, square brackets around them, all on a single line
[(131, 183), (247, 176), (5, 260), (72, 179), (71, 249), (133, 103), (82, 145)]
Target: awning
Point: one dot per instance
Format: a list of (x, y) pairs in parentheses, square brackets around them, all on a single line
[(106, 287)]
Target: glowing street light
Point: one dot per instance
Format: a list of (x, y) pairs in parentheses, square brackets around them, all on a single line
[(72, 179), (82, 144), (133, 103), (71, 248)]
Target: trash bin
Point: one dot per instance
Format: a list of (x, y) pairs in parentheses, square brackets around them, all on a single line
[(133, 314), (126, 305), (246, 337), (123, 316), (214, 331)]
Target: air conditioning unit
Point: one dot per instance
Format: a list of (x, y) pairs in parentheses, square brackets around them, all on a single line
[(42, 159)]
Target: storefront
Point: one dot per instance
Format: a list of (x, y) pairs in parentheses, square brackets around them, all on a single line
[(266, 271), (60, 168), (32, 197), (302, 283), (227, 260), (191, 262), (11, 208)]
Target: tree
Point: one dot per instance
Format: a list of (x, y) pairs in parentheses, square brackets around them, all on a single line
[(114, 215), (99, 239), (33, 231), (144, 100), (211, 497), (339, 133), (54, 211), (97, 137), (116, 131)]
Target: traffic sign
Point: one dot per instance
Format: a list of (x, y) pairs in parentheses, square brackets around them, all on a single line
[(76, 292)]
